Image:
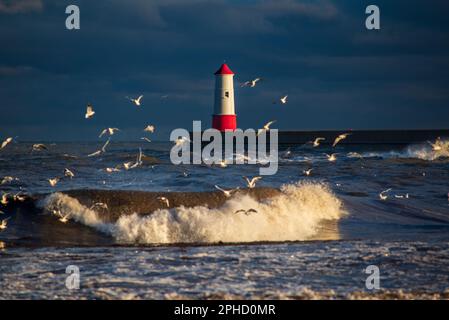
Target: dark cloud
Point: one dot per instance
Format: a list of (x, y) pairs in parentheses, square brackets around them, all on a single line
[(338, 75)]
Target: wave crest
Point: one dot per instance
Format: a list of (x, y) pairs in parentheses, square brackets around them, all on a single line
[(429, 152), (294, 215)]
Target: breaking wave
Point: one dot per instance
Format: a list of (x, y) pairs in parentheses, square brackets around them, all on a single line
[(421, 151), (294, 215)]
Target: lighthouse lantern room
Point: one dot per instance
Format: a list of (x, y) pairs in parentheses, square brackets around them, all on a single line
[(224, 117)]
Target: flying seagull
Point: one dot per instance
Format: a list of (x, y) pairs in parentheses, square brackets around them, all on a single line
[(246, 212), (53, 182), (111, 170), (136, 101), (4, 224), (317, 141), (6, 142), (68, 173), (149, 128), (19, 197), (100, 205), (282, 100), (339, 138), (227, 193), (266, 127), (307, 172), (102, 150), (331, 157), (4, 200), (383, 195), (251, 83), (164, 200), (355, 155), (251, 182), (223, 163), (109, 131), (181, 141), (39, 147), (8, 179), (62, 218), (89, 111)]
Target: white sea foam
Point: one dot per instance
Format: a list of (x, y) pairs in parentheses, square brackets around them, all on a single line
[(419, 151), (295, 214)]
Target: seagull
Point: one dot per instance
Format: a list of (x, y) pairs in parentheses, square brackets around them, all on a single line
[(68, 173), (4, 200), (139, 157), (4, 224), (149, 128), (131, 165), (62, 218), (99, 205), (251, 83), (406, 196), (110, 170), (8, 179), (284, 99), (317, 142), (39, 147), (66, 155), (287, 153), (223, 163), (128, 165), (102, 150), (181, 141), (355, 155), (53, 182), (383, 195), (89, 111), (331, 157), (19, 197), (266, 127), (146, 139), (164, 200), (246, 212), (251, 183), (6, 142), (227, 193), (110, 131), (136, 101), (339, 138), (307, 172)]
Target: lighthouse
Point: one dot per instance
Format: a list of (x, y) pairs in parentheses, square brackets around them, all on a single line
[(224, 117)]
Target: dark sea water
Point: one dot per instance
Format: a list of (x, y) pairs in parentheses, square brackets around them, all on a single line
[(313, 239)]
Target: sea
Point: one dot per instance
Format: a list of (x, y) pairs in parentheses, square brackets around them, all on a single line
[(374, 224)]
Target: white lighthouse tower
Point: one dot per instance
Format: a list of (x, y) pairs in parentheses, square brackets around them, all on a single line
[(224, 117)]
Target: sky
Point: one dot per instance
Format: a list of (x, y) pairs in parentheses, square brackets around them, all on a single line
[(338, 74)]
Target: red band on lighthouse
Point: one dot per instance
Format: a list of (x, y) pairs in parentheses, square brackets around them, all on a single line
[(224, 117), (224, 122)]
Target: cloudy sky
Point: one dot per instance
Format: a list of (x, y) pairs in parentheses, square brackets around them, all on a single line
[(338, 75)]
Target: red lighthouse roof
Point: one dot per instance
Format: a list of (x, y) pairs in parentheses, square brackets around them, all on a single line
[(224, 69)]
